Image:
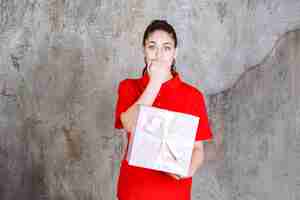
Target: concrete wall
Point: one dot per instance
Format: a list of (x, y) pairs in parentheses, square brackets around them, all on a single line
[(257, 151), (61, 61)]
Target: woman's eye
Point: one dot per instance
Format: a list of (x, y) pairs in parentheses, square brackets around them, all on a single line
[(151, 47), (167, 48)]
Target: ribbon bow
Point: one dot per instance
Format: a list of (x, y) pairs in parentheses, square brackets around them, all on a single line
[(162, 127)]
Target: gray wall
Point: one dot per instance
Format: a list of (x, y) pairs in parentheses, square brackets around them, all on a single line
[(257, 156), (61, 61)]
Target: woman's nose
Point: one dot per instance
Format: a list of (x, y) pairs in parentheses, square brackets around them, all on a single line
[(158, 53)]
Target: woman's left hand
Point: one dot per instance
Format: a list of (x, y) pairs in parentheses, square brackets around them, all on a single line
[(176, 176)]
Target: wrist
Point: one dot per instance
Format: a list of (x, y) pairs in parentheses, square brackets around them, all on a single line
[(191, 172)]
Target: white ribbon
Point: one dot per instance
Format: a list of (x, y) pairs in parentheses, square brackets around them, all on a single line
[(159, 127)]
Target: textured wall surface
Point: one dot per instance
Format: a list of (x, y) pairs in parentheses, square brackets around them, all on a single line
[(259, 121), (61, 61)]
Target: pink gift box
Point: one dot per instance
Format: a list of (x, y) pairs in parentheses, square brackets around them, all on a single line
[(163, 140)]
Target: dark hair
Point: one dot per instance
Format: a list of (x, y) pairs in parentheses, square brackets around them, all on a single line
[(162, 25)]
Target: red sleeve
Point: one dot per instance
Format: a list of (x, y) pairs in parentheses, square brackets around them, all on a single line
[(203, 131), (125, 99)]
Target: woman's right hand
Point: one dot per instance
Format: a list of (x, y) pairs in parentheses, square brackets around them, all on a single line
[(159, 70)]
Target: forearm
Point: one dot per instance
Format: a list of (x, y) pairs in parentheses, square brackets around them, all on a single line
[(129, 117), (197, 158)]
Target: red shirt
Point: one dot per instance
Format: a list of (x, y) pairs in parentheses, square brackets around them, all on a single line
[(136, 183)]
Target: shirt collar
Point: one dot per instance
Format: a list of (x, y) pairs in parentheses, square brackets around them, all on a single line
[(172, 83)]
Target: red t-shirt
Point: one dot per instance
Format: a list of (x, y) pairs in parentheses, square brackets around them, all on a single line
[(136, 183)]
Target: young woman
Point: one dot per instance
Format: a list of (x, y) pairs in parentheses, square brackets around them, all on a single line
[(159, 86)]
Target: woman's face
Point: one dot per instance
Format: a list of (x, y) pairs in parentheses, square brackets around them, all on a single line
[(160, 46)]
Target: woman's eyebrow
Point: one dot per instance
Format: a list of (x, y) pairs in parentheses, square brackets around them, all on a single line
[(167, 43), (152, 42)]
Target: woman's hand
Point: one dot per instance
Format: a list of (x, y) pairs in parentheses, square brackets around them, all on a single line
[(159, 70), (175, 176)]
